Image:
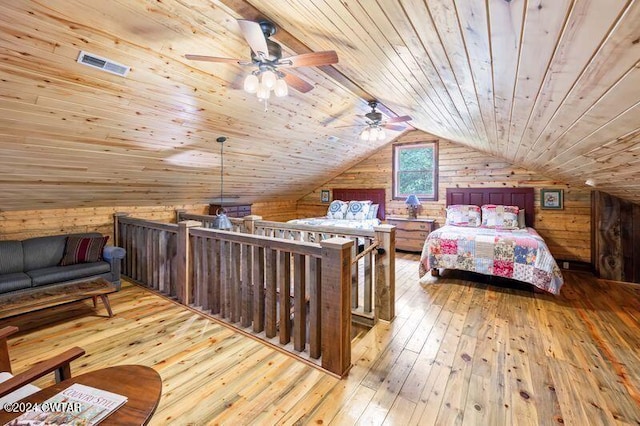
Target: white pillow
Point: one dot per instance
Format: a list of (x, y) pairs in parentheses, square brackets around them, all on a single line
[(358, 210), (337, 209), (521, 219)]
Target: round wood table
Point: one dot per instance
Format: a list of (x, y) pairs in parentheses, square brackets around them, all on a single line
[(141, 385)]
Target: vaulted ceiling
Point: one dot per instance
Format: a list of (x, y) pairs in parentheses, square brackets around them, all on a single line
[(553, 86)]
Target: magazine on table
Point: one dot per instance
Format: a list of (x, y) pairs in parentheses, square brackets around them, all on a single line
[(77, 405)]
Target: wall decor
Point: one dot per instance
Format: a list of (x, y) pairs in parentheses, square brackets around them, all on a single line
[(551, 199)]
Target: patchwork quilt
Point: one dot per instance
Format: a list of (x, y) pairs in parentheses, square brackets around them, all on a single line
[(519, 254)]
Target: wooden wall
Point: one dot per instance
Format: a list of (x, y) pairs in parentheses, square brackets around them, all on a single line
[(615, 232), (280, 211), (566, 231), (17, 225)]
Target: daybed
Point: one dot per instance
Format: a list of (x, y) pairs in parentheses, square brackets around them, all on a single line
[(351, 208), (485, 233), (45, 261)]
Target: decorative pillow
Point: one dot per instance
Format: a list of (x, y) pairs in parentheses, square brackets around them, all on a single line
[(358, 210), (373, 211), (463, 215), (83, 250), (521, 219), (337, 209), (500, 217)]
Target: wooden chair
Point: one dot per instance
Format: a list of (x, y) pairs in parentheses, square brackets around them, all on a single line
[(14, 388)]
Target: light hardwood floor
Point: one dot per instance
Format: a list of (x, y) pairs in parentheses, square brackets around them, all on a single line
[(459, 352)]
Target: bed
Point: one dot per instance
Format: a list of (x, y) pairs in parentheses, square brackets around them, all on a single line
[(520, 254), (366, 222)]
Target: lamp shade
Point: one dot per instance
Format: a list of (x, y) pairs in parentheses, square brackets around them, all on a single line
[(251, 84), (281, 88), (412, 200), (268, 79), (221, 221), (263, 92)]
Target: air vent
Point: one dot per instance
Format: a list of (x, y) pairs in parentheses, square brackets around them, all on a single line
[(107, 65)]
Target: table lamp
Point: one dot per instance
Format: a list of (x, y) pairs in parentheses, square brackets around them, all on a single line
[(413, 204)]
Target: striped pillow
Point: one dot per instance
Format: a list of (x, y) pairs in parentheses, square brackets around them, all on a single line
[(83, 250)]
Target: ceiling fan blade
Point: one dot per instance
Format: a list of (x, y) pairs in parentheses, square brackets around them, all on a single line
[(252, 32), (398, 119), (297, 83), (212, 59), (351, 125), (310, 59), (393, 127)]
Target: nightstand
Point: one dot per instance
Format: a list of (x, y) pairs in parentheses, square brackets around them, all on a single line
[(411, 233)]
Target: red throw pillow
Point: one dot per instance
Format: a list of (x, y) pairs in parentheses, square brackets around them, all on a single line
[(83, 250)]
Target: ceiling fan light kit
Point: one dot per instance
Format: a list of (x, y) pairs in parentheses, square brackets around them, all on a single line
[(266, 54), (375, 125), (373, 133), (263, 82)]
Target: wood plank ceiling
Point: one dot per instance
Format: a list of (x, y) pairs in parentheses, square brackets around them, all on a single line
[(553, 86)]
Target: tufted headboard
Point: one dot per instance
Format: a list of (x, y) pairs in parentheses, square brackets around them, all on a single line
[(521, 197), (376, 196)]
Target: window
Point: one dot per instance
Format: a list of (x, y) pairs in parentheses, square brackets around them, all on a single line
[(415, 170)]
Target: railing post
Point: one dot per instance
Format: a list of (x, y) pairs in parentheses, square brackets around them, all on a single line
[(249, 224), (116, 227), (335, 300), (183, 284), (178, 213), (385, 291)]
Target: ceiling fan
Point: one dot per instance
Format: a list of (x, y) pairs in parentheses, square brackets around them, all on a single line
[(266, 55), (375, 126)]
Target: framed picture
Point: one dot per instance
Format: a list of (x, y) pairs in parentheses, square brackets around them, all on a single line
[(324, 195), (551, 199)]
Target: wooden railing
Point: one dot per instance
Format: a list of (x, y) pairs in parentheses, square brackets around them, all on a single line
[(270, 287), (373, 254), (373, 262), (151, 257)]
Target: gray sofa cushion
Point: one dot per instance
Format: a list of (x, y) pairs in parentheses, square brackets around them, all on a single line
[(15, 281), (44, 252), (59, 274), (11, 257)]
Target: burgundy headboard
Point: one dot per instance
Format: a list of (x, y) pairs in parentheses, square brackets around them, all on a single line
[(375, 195), (521, 197)]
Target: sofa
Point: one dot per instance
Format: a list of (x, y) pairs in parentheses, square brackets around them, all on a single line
[(58, 259)]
